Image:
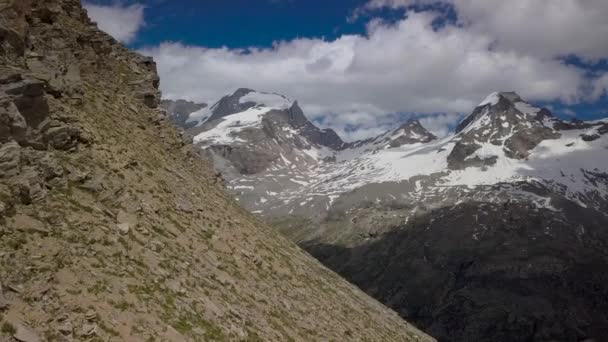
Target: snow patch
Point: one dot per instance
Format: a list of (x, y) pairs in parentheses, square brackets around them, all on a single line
[(491, 100), (274, 101)]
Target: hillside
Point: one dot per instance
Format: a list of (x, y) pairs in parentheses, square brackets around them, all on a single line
[(112, 226), (496, 232)]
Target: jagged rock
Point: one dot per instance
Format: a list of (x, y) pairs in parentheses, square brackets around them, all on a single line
[(12, 123), (50, 167), (29, 185), (10, 157), (62, 136), (66, 328), (146, 88), (89, 329), (25, 334)]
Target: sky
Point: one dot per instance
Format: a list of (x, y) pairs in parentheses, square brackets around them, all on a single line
[(361, 66)]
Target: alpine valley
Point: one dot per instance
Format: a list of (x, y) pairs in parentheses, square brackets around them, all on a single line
[(496, 232)]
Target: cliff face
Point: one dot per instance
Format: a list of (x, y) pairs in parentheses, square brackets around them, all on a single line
[(112, 227)]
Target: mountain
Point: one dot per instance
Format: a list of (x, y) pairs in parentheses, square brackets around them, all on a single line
[(496, 232), (113, 227), (185, 114)]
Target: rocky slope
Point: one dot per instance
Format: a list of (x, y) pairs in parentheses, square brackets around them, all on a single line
[(496, 232), (112, 226)]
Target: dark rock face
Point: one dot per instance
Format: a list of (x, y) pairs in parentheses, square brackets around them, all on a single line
[(180, 110), (325, 137), (513, 273)]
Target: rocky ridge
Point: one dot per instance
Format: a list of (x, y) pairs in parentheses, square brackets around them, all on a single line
[(484, 235), (113, 227)]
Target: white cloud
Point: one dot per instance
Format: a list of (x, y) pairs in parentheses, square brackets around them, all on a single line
[(537, 27), (600, 86), (568, 112), (441, 124), (359, 80), (121, 22)]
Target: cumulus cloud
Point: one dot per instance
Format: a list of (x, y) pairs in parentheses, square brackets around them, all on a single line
[(537, 27), (356, 83), (600, 86), (121, 22), (441, 124)]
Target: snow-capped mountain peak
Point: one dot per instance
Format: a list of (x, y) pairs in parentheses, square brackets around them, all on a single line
[(410, 132), (495, 97)]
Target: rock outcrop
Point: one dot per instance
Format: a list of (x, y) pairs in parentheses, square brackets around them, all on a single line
[(112, 225)]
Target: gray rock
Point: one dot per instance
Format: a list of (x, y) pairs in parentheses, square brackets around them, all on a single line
[(25, 334), (123, 228), (66, 328), (62, 136), (10, 157), (50, 167), (89, 329), (184, 205), (12, 123), (27, 87), (29, 185), (28, 96)]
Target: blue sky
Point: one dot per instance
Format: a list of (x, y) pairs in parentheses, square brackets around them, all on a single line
[(360, 65)]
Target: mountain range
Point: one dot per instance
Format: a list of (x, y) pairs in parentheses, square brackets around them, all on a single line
[(495, 232)]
